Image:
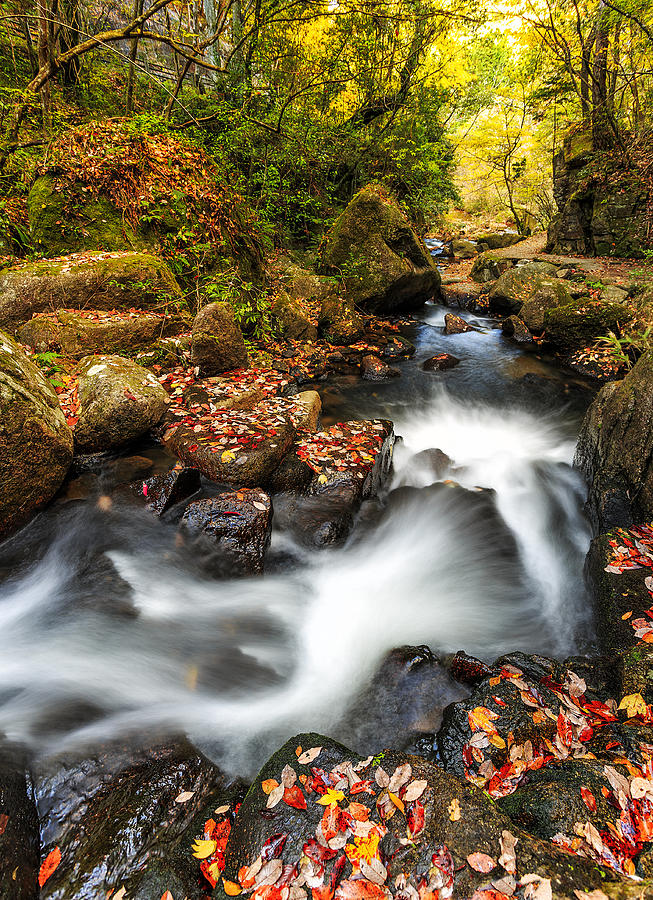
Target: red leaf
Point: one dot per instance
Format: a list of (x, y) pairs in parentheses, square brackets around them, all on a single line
[(481, 862), (415, 818), (273, 847), (48, 865), (564, 730), (588, 799), (293, 796)]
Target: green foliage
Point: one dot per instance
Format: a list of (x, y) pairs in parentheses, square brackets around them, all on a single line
[(251, 305), (627, 349), (49, 362)]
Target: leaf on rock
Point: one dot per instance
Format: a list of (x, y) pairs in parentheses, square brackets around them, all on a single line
[(275, 796), (269, 785), (454, 810), (184, 797), (588, 799), (294, 797), (634, 704), (309, 756), (331, 798), (374, 870), (537, 888), (481, 862), (508, 858), (202, 849), (231, 889), (415, 790), (48, 865)]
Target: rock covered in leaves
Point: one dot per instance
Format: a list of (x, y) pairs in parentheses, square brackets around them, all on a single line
[(19, 828), (319, 820), (237, 524), (386, 266), (514, 328), (119, 401), (121, 816), (614, 450), (374, 369), (294, 317), (162, 492), (82, 332), (441, 362), (338, 321), (36, 444), (454, 324), (101, 281), (217, 343)]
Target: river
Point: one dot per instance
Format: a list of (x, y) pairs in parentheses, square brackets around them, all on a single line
[(107, 627)]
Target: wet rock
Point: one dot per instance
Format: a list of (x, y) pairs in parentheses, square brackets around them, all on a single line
[(217, 343), (441, 362), (433, 461), (487, 268), (264, 437), (449, 819), (162, 492), (386, 266), (614, 450), (373, 369), (19, 827), (128, 468), (528, 291), (119, 401), (91, 331), (85, 280), (456, 325), (309, 407), (467, 669), (463, 249), (36, 444), (465, 295), (237, 523), (579, 324), (514, 328), (338, 321), (294, 320), (115, 815), (323, 518)]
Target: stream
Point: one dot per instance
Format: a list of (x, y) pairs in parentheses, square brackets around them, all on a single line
[(107, 626)]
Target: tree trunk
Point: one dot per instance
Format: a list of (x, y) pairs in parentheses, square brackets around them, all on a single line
[(45, 55), (133, 50)]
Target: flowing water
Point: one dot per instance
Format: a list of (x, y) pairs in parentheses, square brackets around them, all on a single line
[(107, 626)]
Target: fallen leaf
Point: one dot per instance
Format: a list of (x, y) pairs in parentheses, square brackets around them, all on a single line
[(166, 895), (4, 821), (275, 796), (374, 870), (184, 797), (48, 865), (481, 862), (331, 798), (119, 895), (537, 888), (202, 849), (454, 810), (634, 704), (397, 802), (596, 894), (414, 790), (588, 799), (309, 756), (508, 859), (231, 889), (269, 785)]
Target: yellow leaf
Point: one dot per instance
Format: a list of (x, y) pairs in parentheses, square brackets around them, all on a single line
[(634, 704), (454, 810), (481, 718), (496, 741), (203, 849), (397, 802), (322, 479), (331, 798), (228, 456), (231, 889), (269, 785)]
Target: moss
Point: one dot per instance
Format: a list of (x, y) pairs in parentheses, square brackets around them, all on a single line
[(579, 324)]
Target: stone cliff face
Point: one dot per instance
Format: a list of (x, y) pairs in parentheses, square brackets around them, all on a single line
[(604, 209)]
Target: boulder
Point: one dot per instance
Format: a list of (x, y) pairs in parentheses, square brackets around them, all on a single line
[(309, 407), (357, 846), (79, 333), (578, 324), (217, 341), (385, 265), (514, 328), (339, 323), (527, 291), (614, 293), (122, 814), (498, 240), (19, 828), (488, 268), (463, 249), (464, 294), (237, 525), (235, 446), (89, 280), (374, 369), (456, 325), (119, 401), (615, 447), (294, 318), (440, 363), (36, 444), (162, 492)]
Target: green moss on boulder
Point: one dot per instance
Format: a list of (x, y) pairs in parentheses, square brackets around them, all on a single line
[(580, 323), (528, 291), (385, 265), (293, 318), (217, 343), (36, 445), (86, 281)]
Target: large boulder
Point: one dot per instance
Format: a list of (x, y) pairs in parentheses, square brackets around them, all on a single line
[(339, 322), (36, 444), (385, 265), (119, 401), (294, 318), (488, 268), (217, 343), (498, 240), (81, 332), (463, 249), (580, 323), (318, 815), (85, 281), (528, 291), (614, 450)]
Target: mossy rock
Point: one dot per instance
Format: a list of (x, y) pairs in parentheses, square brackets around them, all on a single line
[(119, 401), (385, 265), (579, 324), (86, 281), (293, 318), (217, 343), (488, 268), (70, 222), (339, 322), (75, 334), (36, 444), (528, 291)]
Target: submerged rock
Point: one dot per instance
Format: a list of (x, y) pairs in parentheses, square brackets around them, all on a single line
[(36, 444), (217, 343), (614, 450), (514, 328), (385, 265), (162, 492), (237, 524), (119, 401)]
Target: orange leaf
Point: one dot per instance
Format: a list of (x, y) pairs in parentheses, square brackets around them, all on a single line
[(269, 785), (481, 862), (48, 865), (588, 799), (231, 889)]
